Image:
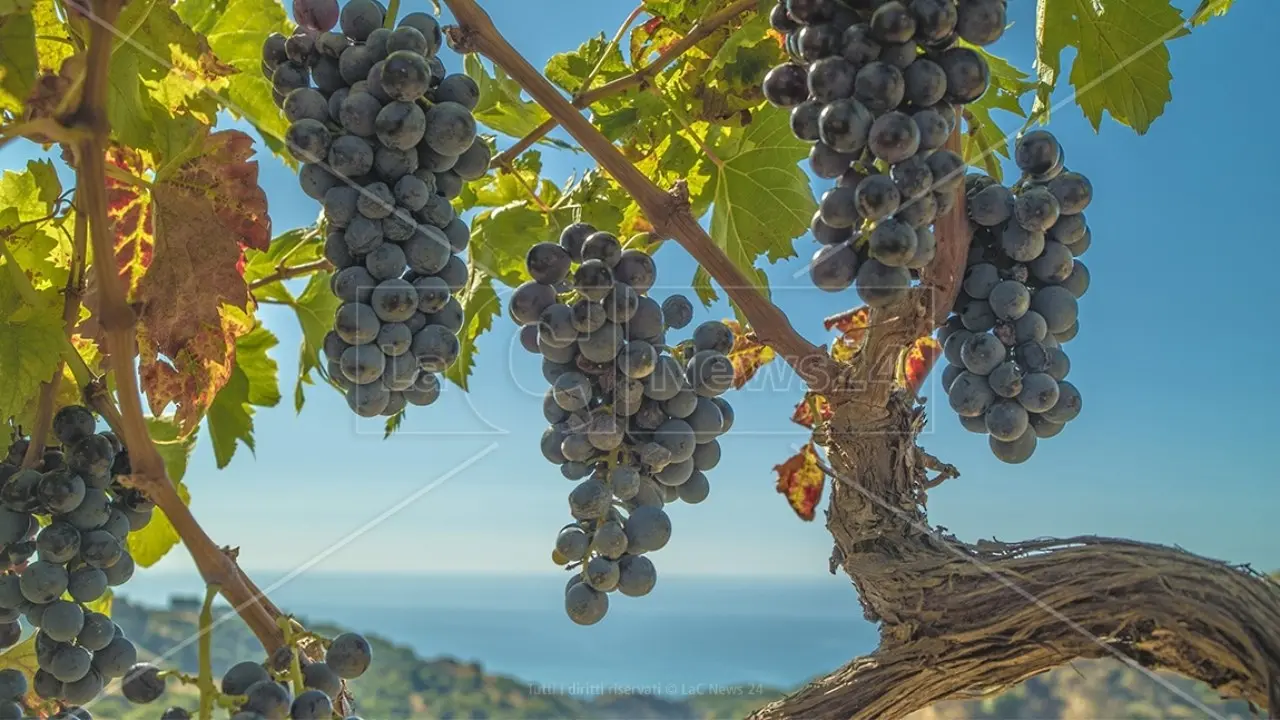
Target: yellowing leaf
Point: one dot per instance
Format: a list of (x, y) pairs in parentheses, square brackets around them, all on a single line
[(917, 361), (852, 326), (801, 481), (191, 298), (30, 340), (1209, 9), (235, 30), (748, 354), (1122, 60), (804, 412), (132, 215), (155, 540)]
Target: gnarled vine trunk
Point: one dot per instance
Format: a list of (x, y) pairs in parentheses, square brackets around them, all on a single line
[(960, 620)]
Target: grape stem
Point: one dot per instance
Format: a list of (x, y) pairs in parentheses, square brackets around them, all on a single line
[(208, 692), (286, 272), (71, 295), (90, 126), (639, 78), (668, 212)]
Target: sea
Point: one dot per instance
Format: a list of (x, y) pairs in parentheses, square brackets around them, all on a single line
[(690, 635)]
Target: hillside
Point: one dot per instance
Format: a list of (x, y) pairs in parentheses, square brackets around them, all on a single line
[(406, 686)]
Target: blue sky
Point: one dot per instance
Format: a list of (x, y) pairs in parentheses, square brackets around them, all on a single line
[(1174, 360)]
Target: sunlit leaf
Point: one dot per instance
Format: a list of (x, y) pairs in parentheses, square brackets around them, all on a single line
[(805, 410), (1209, 9), (1122, 61), (917, 361), (315, 307), (748, 354), (17, 60), (801, 481), (501, 106)]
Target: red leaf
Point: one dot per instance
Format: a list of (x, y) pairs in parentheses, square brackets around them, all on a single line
[(848, 320), (803, 414), (801, 481), (919, 360), (652, 24), (207, 211), (748, 354), (131, 212)]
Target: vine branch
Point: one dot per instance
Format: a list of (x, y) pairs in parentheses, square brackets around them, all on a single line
[(285, 272), (639, 78), (668, 212), (119, 326), (71, 297)]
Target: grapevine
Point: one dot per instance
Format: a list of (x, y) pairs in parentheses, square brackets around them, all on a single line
[(136, 299)]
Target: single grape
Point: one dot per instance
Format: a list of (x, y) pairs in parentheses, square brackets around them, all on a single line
[(1037, 152), (893, 243), (970, 395), (881, 285), (1058, 306), (827, 162), (967, 74), (450, 128), (62, 490), (73, 423), (69, 663), (1073, 192), (1006, 379), (1036, 209), (981, 22), (894, 137), (401, 125), (1016, 451), (1009, 300), (350, 156), (815, 42), (924, 82), (349, 655), (358, 19), (991, 206), (948, 172), (459, 88), (584, 604), (1006, 420), (831, 79), (879, 86), (593, 279), (1040, 391), (1077, 282), (877, 197), (43, 582), (62, 620), (982, 353), (603, 345), (308, 140), (834, 267), (933, 128), (589, 500), (636, 575), (804, 120), (1020, 244), (892, 23)]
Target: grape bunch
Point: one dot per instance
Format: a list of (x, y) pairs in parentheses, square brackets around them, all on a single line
[(634, 421), (1018, 303), (263, 690), (387, 138), (64, 528), (874, 86)]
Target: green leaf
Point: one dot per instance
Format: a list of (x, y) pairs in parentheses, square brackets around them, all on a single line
[(32, 341), (570, 69), (480, 305), (295, 247), (152, 542), (393, 424), (253, 382), (703, 288), (315, 308), (1122, 61), (501, 106), (1210, 9), (17, 60), (235, 30), (31, 195), (984, 137), (501, 237), (762, 199)]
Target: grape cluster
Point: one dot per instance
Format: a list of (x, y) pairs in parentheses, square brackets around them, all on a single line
[(874, 86), (64, 526), (1018, 303), (387, 138), (264, 691), (634, 421)]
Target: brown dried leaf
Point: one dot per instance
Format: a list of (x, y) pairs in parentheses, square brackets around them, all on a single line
[(192, 298), (801, 481)]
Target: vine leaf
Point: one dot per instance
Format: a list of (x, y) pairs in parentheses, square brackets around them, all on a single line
[(748, 354), (152, 542), (207, 210), (1122, 61), (762, 198), (801, 481), (315, 308), (35, 244), (17, 60), (480, 305), (569, 69), (805, 410), (234, 30), (1210, 9), (501, 106), (984, 137), (253, 382), (132, 215), (22, 657), (852, 326), (917, 361), (32, 342)]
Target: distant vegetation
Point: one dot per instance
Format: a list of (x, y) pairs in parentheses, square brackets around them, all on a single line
[(407, 686)]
